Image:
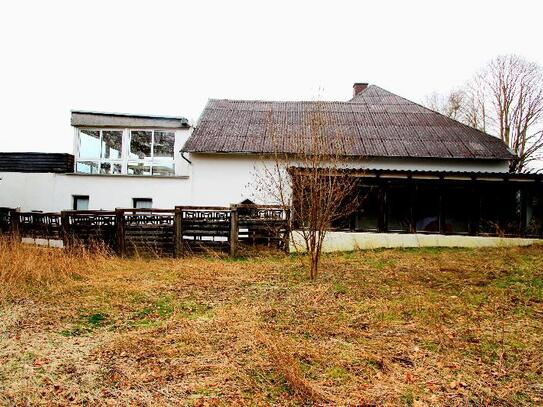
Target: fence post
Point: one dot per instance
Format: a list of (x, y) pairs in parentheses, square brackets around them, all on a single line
[(234, 216), (178, 232), (65, 228), (119, 222), (286, 240), (14, 224)]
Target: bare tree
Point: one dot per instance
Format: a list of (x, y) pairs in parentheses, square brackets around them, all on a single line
[(449, 105), (514, 88), (505, 99), (308, 172)]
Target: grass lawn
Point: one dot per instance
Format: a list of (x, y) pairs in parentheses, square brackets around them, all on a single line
[(393, 327)]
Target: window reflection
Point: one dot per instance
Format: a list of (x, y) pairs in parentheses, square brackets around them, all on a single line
[(427, 209), (140, 144), (457, 203), (87, 167), (110, 168), (139, 169), (398, 215), (112, 144), (534, 213), (149, 152), (163, 144), (366, 218), (89, 143), (163, 169)]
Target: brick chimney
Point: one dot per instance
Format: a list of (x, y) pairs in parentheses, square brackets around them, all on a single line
[(359, 88)]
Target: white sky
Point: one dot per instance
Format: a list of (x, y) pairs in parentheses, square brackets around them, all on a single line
[(169, 57)]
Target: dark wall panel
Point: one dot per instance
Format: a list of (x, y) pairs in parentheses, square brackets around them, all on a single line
[(36, 162)]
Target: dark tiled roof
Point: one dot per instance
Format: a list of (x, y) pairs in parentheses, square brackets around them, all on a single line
[(376, 123)]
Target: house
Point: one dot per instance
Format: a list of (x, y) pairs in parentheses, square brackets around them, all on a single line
[(119, 160), (426, 178)]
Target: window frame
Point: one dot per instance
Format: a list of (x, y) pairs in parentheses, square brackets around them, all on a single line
[(100, 160), (139, 199), (150, 161), (75, 199), (125, 161)]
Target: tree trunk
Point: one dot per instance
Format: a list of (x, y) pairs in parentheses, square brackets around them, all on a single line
[(314, 265)]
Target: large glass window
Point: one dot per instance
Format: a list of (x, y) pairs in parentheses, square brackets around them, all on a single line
[(367, 216), (87, 167), (427, 209), (112, 144), (151, 153), (534, 213), (104, 148), (163, 144), (398, 199), (89, 144), (500, 210), (137, 152), (140, 144), (457, 204)]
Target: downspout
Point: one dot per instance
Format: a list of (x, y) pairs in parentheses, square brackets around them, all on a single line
[(185, 158)]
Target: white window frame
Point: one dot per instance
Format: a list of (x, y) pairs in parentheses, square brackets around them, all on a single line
[(150, 161), (75, 199), (125, 151), (101, 159)]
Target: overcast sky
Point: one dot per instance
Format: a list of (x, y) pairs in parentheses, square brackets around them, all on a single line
[(169, 57)]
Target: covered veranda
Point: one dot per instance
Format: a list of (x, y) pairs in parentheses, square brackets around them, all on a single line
[(449, 203)]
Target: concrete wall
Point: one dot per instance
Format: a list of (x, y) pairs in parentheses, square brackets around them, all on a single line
[(347, 241)]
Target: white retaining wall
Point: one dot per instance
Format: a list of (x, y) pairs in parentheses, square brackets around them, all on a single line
[(347, 241)]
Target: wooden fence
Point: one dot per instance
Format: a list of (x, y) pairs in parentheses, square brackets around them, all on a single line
[(162, 232)]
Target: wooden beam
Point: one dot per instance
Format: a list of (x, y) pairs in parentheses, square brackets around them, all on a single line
[(65, 228), (121, 242), (234, 217), (178, 232)]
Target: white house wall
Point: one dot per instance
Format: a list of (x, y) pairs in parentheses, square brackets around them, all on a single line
[(54, 192), (221, 179), (211, 179)]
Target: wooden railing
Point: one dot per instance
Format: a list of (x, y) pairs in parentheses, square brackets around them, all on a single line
[(161, 232)]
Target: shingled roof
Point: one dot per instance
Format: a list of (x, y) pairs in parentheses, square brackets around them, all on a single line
[(375, 123)]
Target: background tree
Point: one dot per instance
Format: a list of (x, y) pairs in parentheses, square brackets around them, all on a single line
[(505, 99), (310, 176)]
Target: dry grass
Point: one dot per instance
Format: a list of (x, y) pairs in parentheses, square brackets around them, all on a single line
[(26, 268), (388, 327)]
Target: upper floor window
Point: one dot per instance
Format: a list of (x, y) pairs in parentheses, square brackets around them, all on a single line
[(151, 152), (97, 144), (133, 152)]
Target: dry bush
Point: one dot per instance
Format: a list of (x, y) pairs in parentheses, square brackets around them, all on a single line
[(25, 268)]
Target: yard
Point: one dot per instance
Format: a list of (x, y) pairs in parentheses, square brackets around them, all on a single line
[(396, 327)]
